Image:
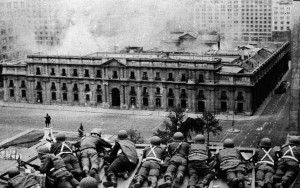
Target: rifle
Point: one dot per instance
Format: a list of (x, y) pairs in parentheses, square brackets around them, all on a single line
[(24, 163)]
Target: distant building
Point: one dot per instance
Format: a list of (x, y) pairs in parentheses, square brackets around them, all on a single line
[(147, 80)]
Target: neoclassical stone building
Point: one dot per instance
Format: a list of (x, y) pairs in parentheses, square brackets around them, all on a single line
[(146, 80)]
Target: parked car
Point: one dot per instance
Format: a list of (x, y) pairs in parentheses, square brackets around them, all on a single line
[(282, 87)]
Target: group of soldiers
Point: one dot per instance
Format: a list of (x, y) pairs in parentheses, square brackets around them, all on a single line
[(65, 169), (272, 168)]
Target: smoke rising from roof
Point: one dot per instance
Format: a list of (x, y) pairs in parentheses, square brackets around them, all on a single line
[(109, 25)]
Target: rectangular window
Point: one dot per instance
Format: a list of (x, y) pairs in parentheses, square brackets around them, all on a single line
[(98, 74), (115, 74), (171, 93), (38, 85), (63, 72), (145, 91), (170, 102), (86, 73), (75, 88), (201, 78), (223, 106), (75, 73), (23, 93), (75, 96), (11, 83), (87, 87), (65, 96), (183, 78), (53, 96), (145, 76), (38, 71), (157, 76), (64, 87), (157, 90), (145, 101), (132, 76), (11, 93), (87, 97), (170, 78), (52, 72), (223, 95), (99, 98)]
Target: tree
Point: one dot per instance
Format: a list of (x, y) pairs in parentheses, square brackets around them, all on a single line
[(80, 130), (211, 124), (171, 125), (135, 136)]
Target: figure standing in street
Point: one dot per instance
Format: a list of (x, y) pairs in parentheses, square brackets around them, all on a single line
[(47, 120)]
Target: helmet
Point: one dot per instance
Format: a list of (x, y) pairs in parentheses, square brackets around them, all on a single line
[(43, 150), (61, 137), (199, 138), (12, 172), (122, 134), (265, 142), (178, 136), (96, 131), (294, 140), (228, 143), (155, 140), (88, 182)]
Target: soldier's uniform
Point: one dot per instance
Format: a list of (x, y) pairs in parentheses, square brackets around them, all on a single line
[(124, 158), (178, 150), (17, 180), (89, 155), (198, 163), (57, 175), (152, 158), (230, 163), (64, 150), (288, 164), (264, 159)]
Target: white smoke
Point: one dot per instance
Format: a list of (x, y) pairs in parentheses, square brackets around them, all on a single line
[(106, 25)]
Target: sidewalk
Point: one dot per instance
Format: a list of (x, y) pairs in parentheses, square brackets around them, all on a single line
[(119, 111)]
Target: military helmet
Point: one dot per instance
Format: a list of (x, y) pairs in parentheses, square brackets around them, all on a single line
[(122, 134), (12, 172), (228, 143), (88, 182), (96, 131), (200, 138), (61, 137), (265, 142), (155, 140), (294, 140), (178, 136), (43, 150)]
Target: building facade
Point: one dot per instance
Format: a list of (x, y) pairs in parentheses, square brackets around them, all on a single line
[(249, 20), (144, 81)]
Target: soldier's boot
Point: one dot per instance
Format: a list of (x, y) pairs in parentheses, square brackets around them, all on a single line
[(94, 174), (167, 183), (153, 181), (86, 173), (202, 184), (139, 181), (124, 175), (178, 180), (112, 182), (278, 185)]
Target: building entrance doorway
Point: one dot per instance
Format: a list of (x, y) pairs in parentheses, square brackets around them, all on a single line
[(39, 97), (115, 97)]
